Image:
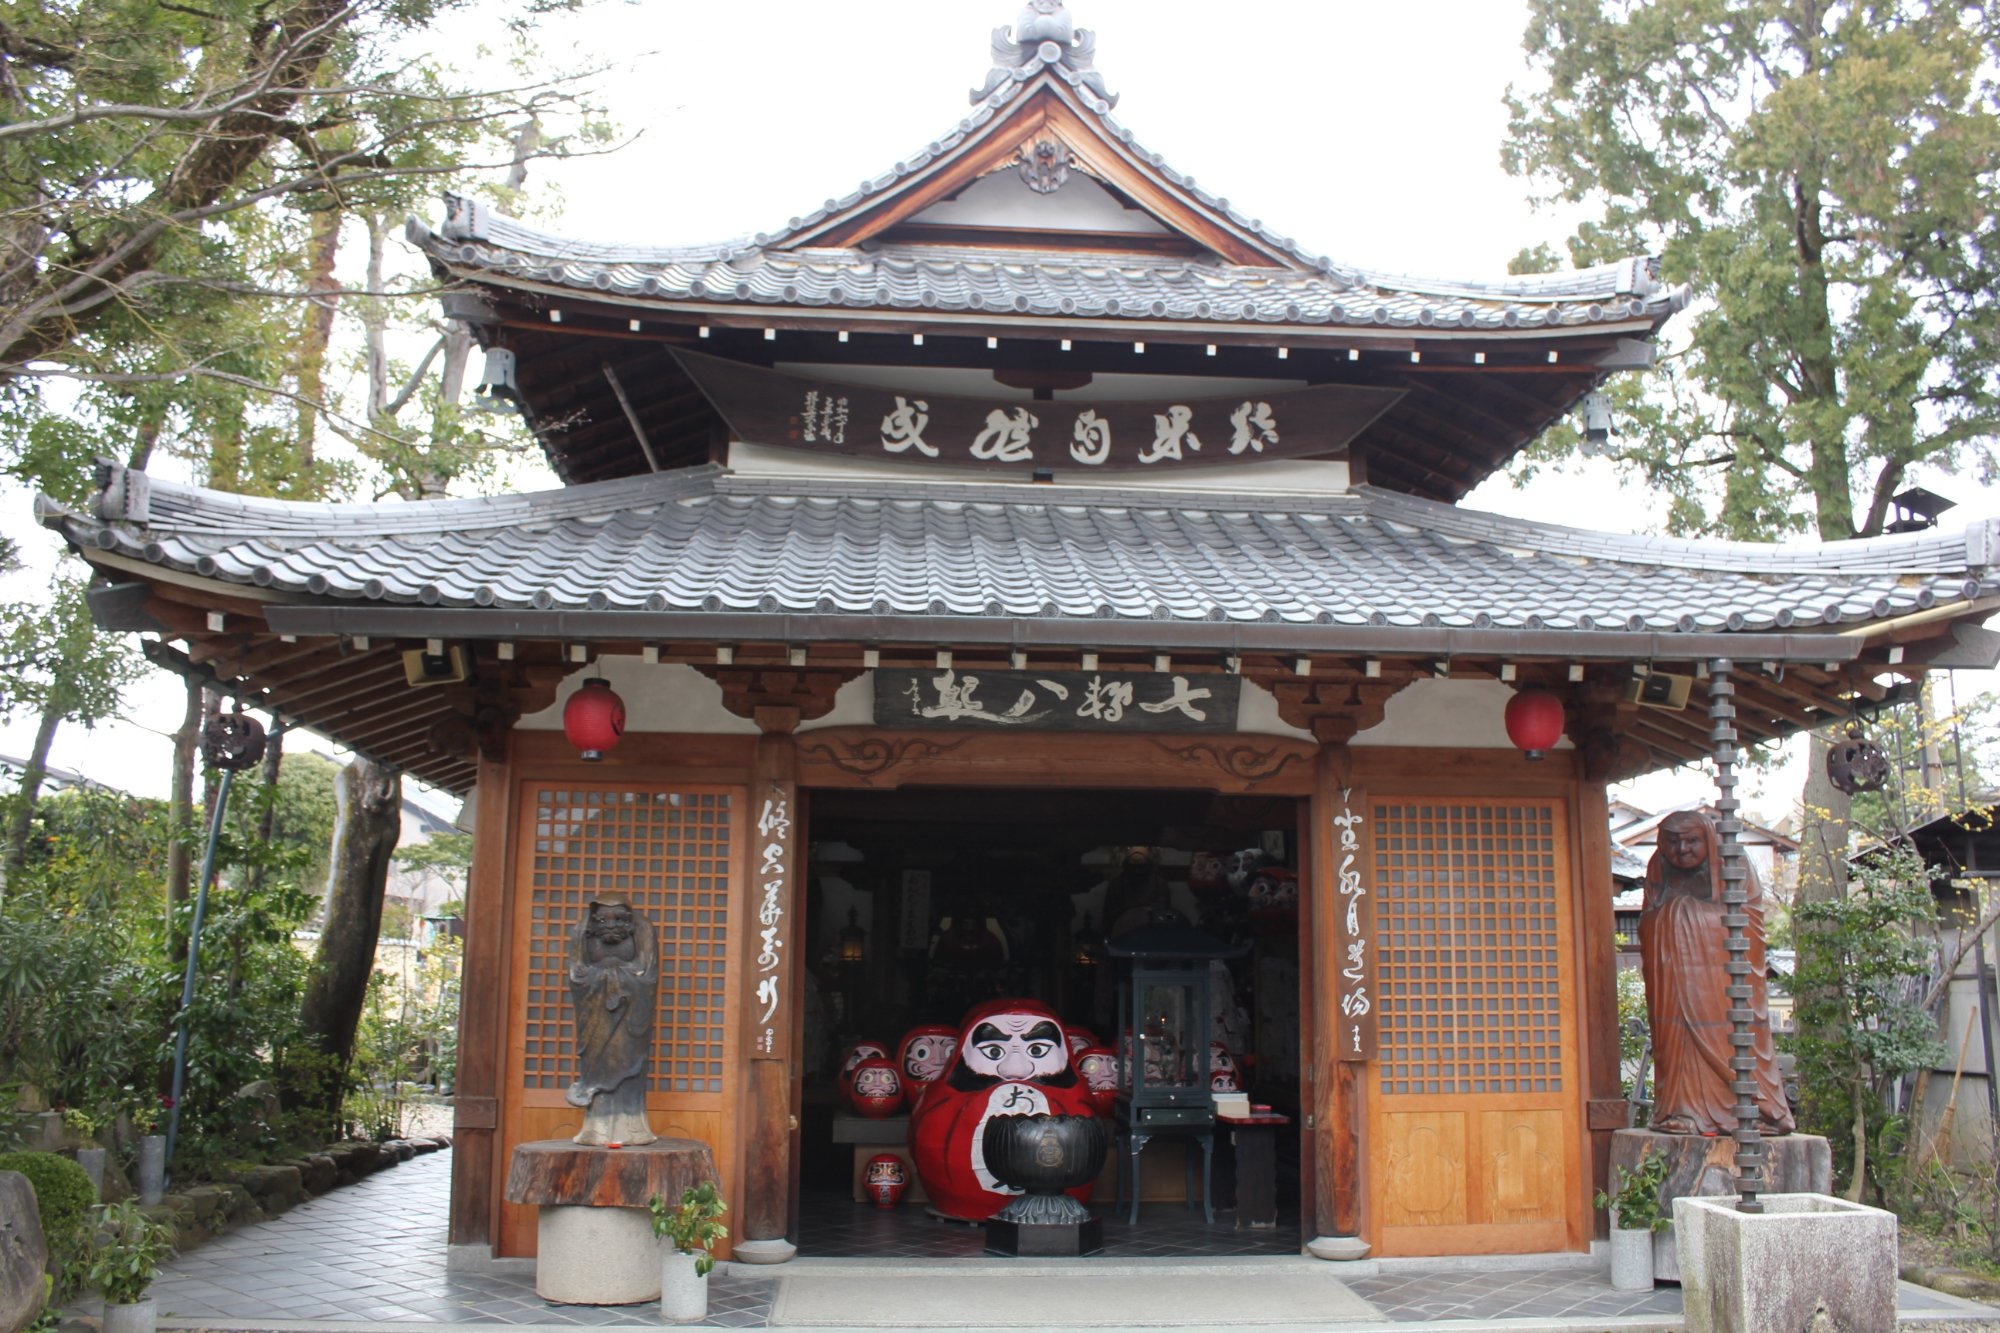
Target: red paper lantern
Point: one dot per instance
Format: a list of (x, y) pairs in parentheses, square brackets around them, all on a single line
[(594, 718), (1534, 721)]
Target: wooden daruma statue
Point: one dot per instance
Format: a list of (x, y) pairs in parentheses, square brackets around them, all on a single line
[(1012, 1059)]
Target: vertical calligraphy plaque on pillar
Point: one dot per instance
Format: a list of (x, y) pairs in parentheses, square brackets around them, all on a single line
[(770, 884), (1353, 932)]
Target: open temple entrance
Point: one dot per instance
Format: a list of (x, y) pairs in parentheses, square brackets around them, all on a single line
[(923, 903)]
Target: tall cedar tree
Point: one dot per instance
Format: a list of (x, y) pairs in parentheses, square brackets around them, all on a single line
[(1827, 176)]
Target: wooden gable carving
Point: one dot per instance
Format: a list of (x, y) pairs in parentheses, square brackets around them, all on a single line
[(1042, 118)]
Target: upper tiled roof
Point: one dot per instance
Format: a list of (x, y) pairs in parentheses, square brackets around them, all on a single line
[(710, 540), (786, 269), (1015, 282)]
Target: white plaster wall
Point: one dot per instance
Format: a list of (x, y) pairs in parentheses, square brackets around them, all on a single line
[(1277, 476), (1447, 715), (658, 697), (1257, 713), (1003, 199), (853, 706), (1433, 714)]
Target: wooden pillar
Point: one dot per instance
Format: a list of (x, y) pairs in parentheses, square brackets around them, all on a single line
[(482, 1013), (1338, 1099), (1596, 939), (1600, 725), (769, 997)]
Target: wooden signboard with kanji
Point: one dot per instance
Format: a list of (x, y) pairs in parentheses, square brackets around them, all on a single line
[(1057, 700), (915, 426)]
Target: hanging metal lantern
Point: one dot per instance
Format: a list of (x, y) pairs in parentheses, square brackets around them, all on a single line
[(594, 718), (1856, 764), (1535, 721), (232, 741)]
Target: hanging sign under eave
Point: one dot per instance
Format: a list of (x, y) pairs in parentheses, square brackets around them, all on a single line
[(769, 407)]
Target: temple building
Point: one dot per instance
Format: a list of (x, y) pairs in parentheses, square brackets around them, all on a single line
[(991, 560)]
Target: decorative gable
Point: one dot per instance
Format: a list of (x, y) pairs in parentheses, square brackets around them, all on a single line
[(1043, 121)]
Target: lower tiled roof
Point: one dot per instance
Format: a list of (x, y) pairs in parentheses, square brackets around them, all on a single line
[(709, 540)]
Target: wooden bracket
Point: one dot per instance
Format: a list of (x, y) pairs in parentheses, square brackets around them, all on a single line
[(753, 692), (1335, 710)]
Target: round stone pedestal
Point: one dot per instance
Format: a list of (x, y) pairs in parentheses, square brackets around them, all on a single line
[(596, 1256), (594, 1236)]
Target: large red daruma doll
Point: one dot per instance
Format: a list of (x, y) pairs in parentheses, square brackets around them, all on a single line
[(1012, 1059)]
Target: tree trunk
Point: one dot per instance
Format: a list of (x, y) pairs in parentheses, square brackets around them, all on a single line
[(180, 811), (23, 821), (1823, 825), (322, 250), (369, 819), (1860, 1180)]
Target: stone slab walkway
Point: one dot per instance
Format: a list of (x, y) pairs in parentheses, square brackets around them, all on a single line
[(371, 1258)]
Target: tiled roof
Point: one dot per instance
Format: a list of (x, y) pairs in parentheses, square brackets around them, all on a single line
[(707, 539), (1014, 282), (768, 270)]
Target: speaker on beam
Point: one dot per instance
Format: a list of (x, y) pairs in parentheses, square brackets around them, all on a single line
[(1660, 689), (445, 668)]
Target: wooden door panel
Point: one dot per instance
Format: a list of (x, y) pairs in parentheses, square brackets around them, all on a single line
[(677, 853), (1525, 1154), (1425, 1155), (1474, 1126)]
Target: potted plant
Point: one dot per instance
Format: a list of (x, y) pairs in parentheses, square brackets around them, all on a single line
[(1635, 1217), (693, 1227), (126, 1254)]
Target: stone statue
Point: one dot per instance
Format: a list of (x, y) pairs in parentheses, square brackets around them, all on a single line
[(1684, 951), (614, 987)]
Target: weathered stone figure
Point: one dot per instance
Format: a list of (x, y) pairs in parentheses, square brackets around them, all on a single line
[(1684, 951), (614, 987)]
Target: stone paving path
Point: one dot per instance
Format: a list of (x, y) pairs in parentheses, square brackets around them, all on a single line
[(374, 1253)]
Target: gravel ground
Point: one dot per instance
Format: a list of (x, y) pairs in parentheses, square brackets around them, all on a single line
[(427, 1116)]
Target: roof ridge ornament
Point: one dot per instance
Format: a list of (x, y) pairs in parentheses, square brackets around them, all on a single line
[(1044, 35)]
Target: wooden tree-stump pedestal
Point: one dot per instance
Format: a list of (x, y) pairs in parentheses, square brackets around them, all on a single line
[(594, 1239), (1700, 1166)]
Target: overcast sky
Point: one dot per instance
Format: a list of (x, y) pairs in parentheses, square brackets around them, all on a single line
[(1369, 132)]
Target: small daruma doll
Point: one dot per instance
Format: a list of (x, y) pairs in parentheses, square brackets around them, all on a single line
[(859, 1051), (1012, 1060), (925, 1054), (1079, 1039), (1223, 1074), (877, 1088), (1098, 1066), (884, 1179)]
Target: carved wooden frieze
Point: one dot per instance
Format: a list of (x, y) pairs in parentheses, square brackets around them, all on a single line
[(871, 757), (1247, 761)]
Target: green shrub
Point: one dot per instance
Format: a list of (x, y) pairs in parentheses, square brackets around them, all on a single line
[(127, 1252), (63, 1198)]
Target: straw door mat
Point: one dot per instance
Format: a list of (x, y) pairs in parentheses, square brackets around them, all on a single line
[(946, 1299)]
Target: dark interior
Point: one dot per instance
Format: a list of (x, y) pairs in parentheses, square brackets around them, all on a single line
[(923, 903)]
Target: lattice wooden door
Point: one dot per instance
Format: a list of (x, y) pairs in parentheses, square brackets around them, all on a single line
[(675, 853), (1475, 1140)]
